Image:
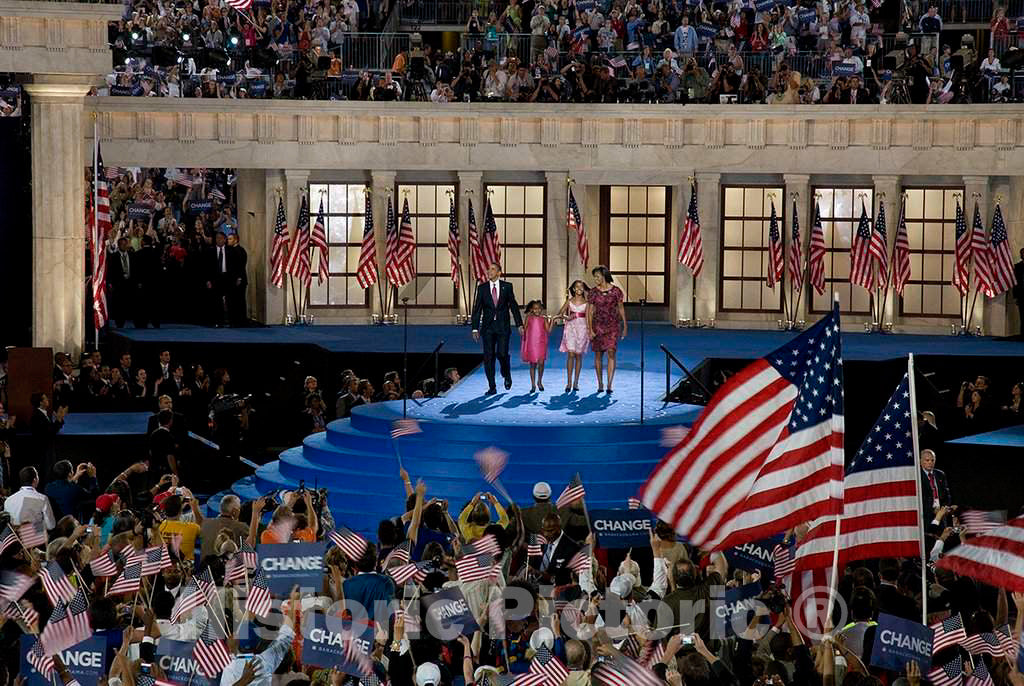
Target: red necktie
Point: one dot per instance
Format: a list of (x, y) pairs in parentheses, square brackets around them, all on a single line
[(494, 293), (935, 488)]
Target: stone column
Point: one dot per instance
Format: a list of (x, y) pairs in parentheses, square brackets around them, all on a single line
[(58, 215), (251, 190), (1013, 207), (556, 239), (471, 187), (976, 189), (276, 299), (710, 211), (382, 185), (680, 287), (798, 188), (890, 187)]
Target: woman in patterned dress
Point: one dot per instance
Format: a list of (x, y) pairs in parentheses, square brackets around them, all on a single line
[(606, 321)]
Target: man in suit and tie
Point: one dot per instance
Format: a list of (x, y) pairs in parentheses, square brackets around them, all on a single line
[(237, 282), (147, 272), (45, 425), (174, 386), (120, 284), (162, 371), (557, 552), (494, 308), (218, 277), (934, 487), (856, 94)]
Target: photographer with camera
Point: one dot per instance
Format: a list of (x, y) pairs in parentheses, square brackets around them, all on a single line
[(695, 81), (725, 82), (466, 85), (753, 89)]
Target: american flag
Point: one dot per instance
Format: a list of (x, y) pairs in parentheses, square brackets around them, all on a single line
[(796, 258), (783, 562), (217, 193), (13, 585), (881, 512), (250, 558), (775, 262), (654, 652), (298, 253), (901, 254), (999, 254), (623, 671), (476, 253), (492, 462), (354, 653), (206, 585), (549, 666), (32, 534), (7, 538), (416, 571), (719, 487), (476, 567), (1005, 636), (980, 522), (880, 247), (318, 241), (279, 250), (191, 598), (101, 226), (112, 173), (68, 625), (239, 5), (56, 583), (453, 240), (39, 660), (400, 554), (210, 651), (634, 503), (528, 679), (862, 271), (996, 559), (104, 565), (573, 492), (580, 562), (809, 596), (535, 548), (948, 632), (155, 560), (366, 273), (985, 642), (405, 427), (816, 253), (490, 244), (574, 222), (23, 613), (949, 674), (258, 601), (234, 571), (962, 265), (691, 245), (149, 680), (979, 675), (486, 544), (129, 581), (352, 544), (401, 247), (983, 279)]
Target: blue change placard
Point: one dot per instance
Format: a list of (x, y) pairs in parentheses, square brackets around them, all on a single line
[(807, 16), (899, 641), (175, 658), (448, 614), (139, 211), (288, 564), (621, 528), (324, 641), (86, 661), (845, 69), (764, 5), (739, 602), (707, 30), (755, 556), (201, 206)]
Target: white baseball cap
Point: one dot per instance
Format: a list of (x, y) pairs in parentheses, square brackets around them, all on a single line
[(428, 674), (542, 490)]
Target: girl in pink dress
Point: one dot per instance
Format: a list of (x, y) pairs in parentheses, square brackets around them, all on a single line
[(575, 338), (534, 347)]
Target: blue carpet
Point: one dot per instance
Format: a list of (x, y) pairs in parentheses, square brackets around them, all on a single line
[(105, 423), (1010, 437)]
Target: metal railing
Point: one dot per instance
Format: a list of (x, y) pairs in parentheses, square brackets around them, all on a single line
[(370, 50), (435, 11), (672, 359)]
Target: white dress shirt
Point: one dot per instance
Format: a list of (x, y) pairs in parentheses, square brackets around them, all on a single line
[(29, 505), (266, 662)]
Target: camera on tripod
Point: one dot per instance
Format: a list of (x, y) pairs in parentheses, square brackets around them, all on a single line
[(417, 60)]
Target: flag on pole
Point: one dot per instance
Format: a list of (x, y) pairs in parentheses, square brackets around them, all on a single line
[(210, 651), (980, 522), (486, 544), (415, 571), (32, 534), (879, 247), (239, 5), (881, 512), (24, 613), (691, 245), (623, 671), (318, 239), (399, 554), (580, 562), (129, 581), (155, 560), (279, 249), (979, 675), (782, 414), (405, 427), (258, 601), (901, 254), (234, 571), (783, 562), (862, 271), (401, 247), (962, 263), (476, 567), (996, 559), (56, 583), (104, 565), (574, 222), (535, 548), (68, 625), (985, 642), (191, 598), (39, 660), (7, 538), (250, 558), (298, 253), (490, 243), (1001, 263), (983, 280), (366, 273), (796, 258), (14, 584), (453, 240), (352, 544), (549, 666), (100, 227), (492, 462), (775, 262), (573, 492), (816, 253), (476, 255), (948, 632)]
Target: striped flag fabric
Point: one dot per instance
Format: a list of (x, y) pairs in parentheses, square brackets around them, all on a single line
[(13, 585), (808, 591), (775, 261), (415, 571), (573, 491), (550, 667), (453, 240), (1001, 260), (405, 427), (901, 254), (983, 282), (980, 522), (492, 462), (258, 601), (298, 252), (32, 534), (979, 675), (354, 653), (250, 558), (68, 625), (623, 671), (352, 544), (485, 545), (476, 254), (996, 558), (56, 583), (949, 674), (279, 248), (206, 584), (210, 651), (948, 632), (796, 258), (400, 554), (766, 453), (962, 261), (217, 193), (490, 244), (7, 538), (476, 567), (113, 173), (633, 504), (191, 598), (155, 560), (862, 272), (529, 679), (39, 660), (1005, 635), (100, 228), (574, 222), (234, 571), (129, 581), (104, 565), (401, 246), (366, 272), (22, 612), (816, 254), (879, 247), (691, 244), (580, 562), (535, 548), (318, 241), (982, 643), (881, 511), (783, 562), (654, 652), (149, 680), (240, 5)]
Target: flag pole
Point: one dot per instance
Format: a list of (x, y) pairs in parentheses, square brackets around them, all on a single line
[(834, 581), (917, 481), (885, 288), (368, 196), (95, 222), (569, 181), (693, 277)]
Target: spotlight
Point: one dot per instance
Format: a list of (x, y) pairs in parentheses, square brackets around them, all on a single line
[(180, 58), (127, 60), (186, 36), (234, 40), (229, 63)]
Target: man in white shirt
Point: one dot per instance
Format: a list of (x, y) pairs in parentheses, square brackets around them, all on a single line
[(258, 669), (29, 505)]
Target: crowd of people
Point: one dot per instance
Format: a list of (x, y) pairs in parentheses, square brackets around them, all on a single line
[(646, 51)]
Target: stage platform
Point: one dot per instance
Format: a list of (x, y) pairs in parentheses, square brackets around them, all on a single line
[(985, 470)]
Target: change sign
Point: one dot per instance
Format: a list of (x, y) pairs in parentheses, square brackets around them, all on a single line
[(324, 640), (448, 614), (290, 564), (175, 658), (621, 528), (899, 641), (755, 556), (738, 608), (86, 661)]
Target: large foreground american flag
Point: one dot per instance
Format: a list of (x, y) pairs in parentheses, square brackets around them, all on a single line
[(996, 559), (881, 511), (766, 453)]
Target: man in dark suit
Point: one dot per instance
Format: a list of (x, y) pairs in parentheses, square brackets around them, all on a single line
[(127, 373), (891, 600), (495, 306), (120, 282), (163, 445), (348, 397), (163, 369), (856, 94), (557, 552), (217, 278), (178, 427), (44, 427), (934, 487), (237, 282), (1018, 288), (147, 270)]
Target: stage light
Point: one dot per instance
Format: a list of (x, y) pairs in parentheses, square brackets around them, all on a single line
[(135, 35), (180, 59), (234, 40), (186, 36), (127, 60), (229, 63)]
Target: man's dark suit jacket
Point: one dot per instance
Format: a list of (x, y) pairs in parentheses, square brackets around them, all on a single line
[(560, 558), (927, 497), (496, 318)]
